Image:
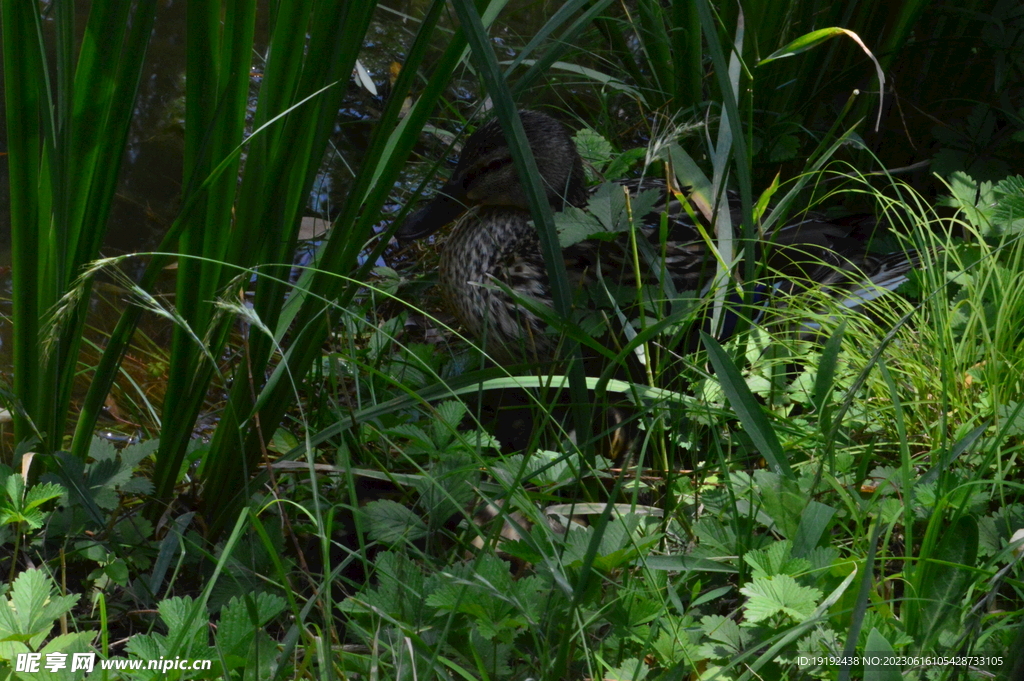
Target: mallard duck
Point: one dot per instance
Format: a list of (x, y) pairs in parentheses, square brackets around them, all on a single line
[(496, 246)]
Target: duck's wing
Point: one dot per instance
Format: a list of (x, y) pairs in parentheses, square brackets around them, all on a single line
[(816, 252)]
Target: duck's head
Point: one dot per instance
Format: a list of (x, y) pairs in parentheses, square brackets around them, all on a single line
[(486, 175)]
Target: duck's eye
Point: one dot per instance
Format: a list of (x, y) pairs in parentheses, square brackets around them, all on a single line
[(477, 172), (496, 164)]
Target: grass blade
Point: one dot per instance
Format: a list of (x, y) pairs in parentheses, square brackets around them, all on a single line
[(747, 408)]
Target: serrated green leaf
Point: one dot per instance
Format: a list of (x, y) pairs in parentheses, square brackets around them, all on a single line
[(237, 626), (391, 523), (575, 225), (593, 147), (33, 608), (631, 669), (144, 647), (400, 584), (769, 560), (412, 432), (33, 518), (41, 493), (779, 594), (102, 449), (448, 487), (975, 200), (15, 489), (449, 415), (606, 203), (132, 455), (175, 613), (1008, 212), (624, 162), (726, 637)]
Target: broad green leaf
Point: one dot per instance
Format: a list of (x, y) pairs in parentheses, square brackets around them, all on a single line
[(779, 594), (392, 523), (878, 645)]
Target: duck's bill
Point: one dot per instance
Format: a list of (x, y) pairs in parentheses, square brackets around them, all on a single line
[(432, 217)]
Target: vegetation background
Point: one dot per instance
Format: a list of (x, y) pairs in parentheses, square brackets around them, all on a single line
[(219, 451)]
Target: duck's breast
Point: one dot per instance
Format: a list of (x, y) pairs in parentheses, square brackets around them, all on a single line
[(490, 249)]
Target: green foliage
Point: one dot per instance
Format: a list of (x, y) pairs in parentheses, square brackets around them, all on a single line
[(65, 161), (241, 648), (492, 619), (27, 618), (992, 209), (982, 146), (610, 212), (883, 521), (94, 516), (96, 487), (20, 505), (779, 595)]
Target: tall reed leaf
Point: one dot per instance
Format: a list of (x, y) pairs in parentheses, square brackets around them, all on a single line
[(253, 414), (65, 150)]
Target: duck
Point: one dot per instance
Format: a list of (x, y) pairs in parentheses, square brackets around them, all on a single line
[(491, 263)]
